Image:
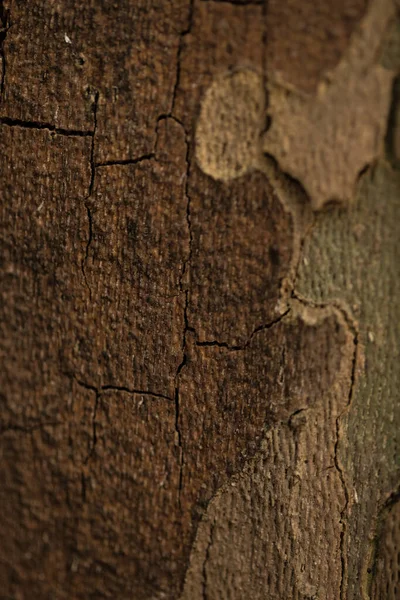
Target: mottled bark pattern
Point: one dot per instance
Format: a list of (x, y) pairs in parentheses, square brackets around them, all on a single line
[(199, 379)]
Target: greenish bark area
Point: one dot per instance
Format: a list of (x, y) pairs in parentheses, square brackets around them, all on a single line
[(352, 259)]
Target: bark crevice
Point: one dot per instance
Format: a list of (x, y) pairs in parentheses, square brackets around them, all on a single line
[(127, 161), (40, 125), (90, 191), (137, 392), (263, 327), (5, 25), (182, 35), (177, 398), (351, 325)]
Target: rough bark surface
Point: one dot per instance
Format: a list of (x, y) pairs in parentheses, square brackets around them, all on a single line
[(200, 318)]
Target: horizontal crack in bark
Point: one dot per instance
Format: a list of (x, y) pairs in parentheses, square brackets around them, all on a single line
[(211, 343), (138, 392), (45, 126), (127, 161)]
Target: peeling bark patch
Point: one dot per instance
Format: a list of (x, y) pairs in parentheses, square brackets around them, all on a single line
[(325, 140), (223, 38), (230, 122), (223, 417), (286, 503), (307, 38)]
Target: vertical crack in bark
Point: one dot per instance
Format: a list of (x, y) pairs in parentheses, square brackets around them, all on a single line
[(4, 27), (186, 264), (115, 388), (90, 191), (90, 236), (83, 487), (92, 163), (205, 563), (187, 260), (187, 328), (184, 289), (177, 399), (338, 466), (94, 427), (183, 33), (96, 392)]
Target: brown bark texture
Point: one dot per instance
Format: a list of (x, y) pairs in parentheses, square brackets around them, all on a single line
[(200, 300)]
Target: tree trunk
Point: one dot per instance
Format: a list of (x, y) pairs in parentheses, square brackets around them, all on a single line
[(200, 300)]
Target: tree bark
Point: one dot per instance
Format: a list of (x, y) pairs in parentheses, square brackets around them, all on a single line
[(200, 314)]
